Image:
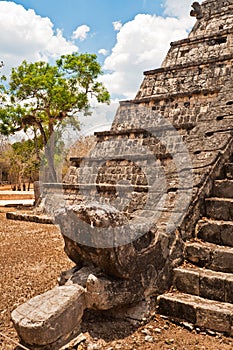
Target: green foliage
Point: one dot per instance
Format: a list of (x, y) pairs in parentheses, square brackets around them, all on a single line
[(22, 162), (4, 161), (44, 97)]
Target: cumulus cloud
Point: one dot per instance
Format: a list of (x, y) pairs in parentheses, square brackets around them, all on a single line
[(81, 32), (26, 35), (177, 8), (141, 45), (117, 25), (103, 52), (100, 119)]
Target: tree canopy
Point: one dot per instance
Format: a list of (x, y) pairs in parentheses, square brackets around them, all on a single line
[(41, 96), (23, 162)]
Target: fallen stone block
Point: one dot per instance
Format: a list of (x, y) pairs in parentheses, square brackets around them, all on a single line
[(50, 318)]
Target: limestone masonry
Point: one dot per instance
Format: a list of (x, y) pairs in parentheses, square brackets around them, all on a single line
[(155, 192)]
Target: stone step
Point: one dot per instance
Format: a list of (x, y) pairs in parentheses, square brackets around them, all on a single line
[(40, 219), (16, 195), (219, 208), (209, 255), (229, 170), (203, 313), (223, 188), (204, 283), (138, 187), (215, 231)]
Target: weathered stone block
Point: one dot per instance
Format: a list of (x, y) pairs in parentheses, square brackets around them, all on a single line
[(222, 259), (227, 233), (212, 285), (219, 208), (186, 280), (214, 231), (229, 290), (223, 188), (103, 236), (50, 317), (198, 253), (105, 294), (229, 170), (214, 316), (173, 306), (199, 311), (209, 231)]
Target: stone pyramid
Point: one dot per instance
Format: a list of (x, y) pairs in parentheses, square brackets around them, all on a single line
[(155, 192)]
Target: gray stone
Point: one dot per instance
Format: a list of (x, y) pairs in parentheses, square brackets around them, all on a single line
[(147, 254), (77, 275), (188, 326), (50, 317)]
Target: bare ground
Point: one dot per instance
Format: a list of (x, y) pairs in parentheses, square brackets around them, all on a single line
[(31, 259)]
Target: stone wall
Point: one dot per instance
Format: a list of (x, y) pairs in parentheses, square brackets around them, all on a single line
[(165, 147)]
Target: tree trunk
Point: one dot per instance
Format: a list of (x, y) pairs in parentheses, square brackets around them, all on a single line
[(49, 151)]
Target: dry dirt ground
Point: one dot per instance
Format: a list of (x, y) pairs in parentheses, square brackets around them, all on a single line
[(31, 259)]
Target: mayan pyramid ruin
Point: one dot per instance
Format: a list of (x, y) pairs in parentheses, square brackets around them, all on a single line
[(150, 209)]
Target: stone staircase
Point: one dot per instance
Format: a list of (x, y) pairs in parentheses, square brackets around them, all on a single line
[(202, 291)]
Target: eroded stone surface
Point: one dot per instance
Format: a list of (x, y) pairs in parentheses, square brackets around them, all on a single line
[(199, 311), (154, 251), (50, 317)]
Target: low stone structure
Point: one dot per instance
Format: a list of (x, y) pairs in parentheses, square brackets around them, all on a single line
[(151, 188)]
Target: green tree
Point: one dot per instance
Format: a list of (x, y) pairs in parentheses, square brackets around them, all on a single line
[(4, 161), (44, 97), (23, 162)]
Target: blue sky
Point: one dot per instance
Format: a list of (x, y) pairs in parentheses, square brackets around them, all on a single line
[(97, 14), (129, 36)]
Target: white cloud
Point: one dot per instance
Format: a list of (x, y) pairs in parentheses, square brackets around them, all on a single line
[(177, 8), (117, 25), (141, 45), (103, 52), (25, 35), (81, 32), (101, 118)]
